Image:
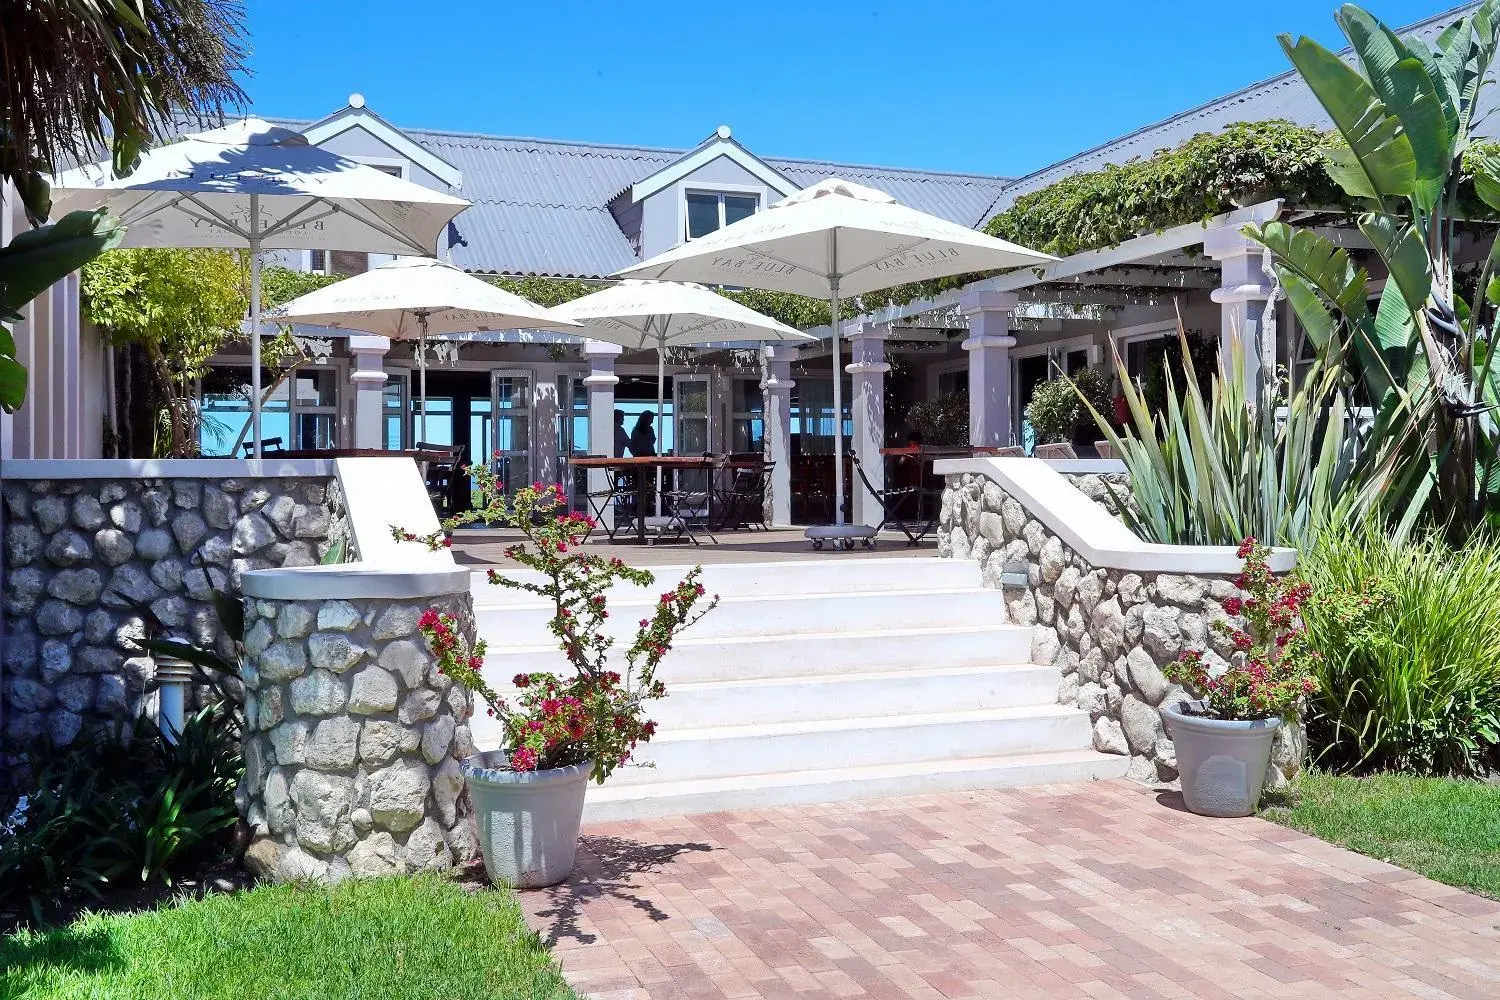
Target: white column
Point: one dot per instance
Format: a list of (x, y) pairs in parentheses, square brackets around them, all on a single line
[(369, 377), (776, 399), (868, 367), (1242, 294), (989, 344), (601, 381)]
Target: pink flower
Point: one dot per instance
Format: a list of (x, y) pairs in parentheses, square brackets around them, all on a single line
[(1233, 606), (523, 759)]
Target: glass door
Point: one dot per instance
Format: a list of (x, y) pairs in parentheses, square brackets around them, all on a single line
[(692, 425), (509, 427), (572, 437)]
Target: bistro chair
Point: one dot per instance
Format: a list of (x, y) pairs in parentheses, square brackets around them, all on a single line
[(687, 509), (742, 504), (620, 493), (893, 500), (268, 446), (443, 475)]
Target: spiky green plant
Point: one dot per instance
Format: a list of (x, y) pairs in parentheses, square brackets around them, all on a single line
[(1218, 470)]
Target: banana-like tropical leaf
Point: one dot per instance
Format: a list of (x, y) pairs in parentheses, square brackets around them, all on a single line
[(1407, 91), (38, 258), (1377, 160), (1404, 254), (1486, 166)]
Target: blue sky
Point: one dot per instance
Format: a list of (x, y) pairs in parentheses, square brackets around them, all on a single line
[(993, 87)]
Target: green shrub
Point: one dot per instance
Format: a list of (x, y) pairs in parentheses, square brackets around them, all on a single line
[(942, 420), (105, 813), (1056, 410), (1410, 637)]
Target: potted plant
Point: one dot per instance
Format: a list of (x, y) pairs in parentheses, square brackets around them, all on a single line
[(561, 730), (1224, 739)]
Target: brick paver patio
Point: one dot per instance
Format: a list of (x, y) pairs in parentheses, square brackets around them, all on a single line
[(1103, 890)]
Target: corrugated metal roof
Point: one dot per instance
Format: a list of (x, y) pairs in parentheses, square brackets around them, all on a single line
[(1284, 96), (540, 205), (566, 241)]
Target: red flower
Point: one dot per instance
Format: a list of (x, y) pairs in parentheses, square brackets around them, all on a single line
[(1233, 606), (521, 680), (429, 618), (1247, 548), (523, 759)]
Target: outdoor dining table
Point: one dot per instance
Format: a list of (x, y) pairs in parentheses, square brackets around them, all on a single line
[(420, 455), (644, 467)]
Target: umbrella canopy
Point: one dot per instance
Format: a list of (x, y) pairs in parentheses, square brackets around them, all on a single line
[(414, 297), (257, 186), (663, 314), (657, 314), (836, 238)]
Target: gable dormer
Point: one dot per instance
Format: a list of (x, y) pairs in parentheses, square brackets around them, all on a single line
[(360, 134), (717, 182)]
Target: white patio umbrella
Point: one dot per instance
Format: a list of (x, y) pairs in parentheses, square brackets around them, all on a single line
[(663, 314), (258, 186), (835, 239), (418, 297)]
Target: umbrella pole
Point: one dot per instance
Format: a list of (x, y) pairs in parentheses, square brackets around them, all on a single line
[(422, 368), (255, 438), (838, 397), (661, 395)]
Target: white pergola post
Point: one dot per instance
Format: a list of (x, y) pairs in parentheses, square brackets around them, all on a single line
[(776, 400), (989, 344), (868, 367), (369, 380), (601, 381), (1242, 295)]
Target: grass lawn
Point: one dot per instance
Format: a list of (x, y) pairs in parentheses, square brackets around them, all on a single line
[(410, 938), (1447, 830)]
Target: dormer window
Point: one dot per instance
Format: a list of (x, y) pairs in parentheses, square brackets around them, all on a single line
[(708, 211)]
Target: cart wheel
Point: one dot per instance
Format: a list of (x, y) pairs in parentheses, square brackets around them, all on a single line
[(817, 545), (870, 544), (848, 545)]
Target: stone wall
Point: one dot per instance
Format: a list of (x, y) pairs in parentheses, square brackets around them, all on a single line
[(83, 556), (352, 740), (1109, 631)]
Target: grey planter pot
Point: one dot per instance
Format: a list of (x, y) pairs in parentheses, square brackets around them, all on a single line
[(1222, 764), (528, 820)]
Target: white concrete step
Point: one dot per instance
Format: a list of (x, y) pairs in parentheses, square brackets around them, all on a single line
[(811, 654), (621, 801), (526, 624), (802, 577), (723, 751), (864, 695)]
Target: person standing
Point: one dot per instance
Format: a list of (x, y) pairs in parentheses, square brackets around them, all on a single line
[(643, 436), (622, 437)]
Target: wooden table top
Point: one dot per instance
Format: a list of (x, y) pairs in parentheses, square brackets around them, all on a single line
[(641, 461)]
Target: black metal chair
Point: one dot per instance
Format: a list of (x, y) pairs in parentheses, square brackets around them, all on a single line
[(620, 494), (896, 499), (743, 502), (693, 507), (268, 446), (443, 476)]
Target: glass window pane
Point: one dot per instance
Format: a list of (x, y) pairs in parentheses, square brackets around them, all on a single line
[(702, 214), (316, 388), (737, 207), (692, 395), (315, 430)]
